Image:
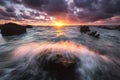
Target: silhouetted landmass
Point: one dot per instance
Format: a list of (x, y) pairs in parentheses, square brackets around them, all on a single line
[(110, 27), (0, 26), (10, 29), (28, 26)]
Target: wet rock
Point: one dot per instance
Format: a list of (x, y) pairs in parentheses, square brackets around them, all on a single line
[(97, 36), (62, 68), (84, 29), (94, 34), (59, 67), (12, 29)]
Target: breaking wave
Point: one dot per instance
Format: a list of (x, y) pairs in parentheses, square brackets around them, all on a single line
[(62, 60)]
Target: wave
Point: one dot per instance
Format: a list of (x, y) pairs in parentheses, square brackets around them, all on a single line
[(64, 60)]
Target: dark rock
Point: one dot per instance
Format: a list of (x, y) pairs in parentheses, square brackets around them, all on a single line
[(0, 26), (97, 36), (118, 28), (94, 34), (62, 68), (12, 29), (28, 26), (84, 29), (113, 27), (109, 27)]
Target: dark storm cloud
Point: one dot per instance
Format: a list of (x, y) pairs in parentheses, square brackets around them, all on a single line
[(88, 15), (22, 11), (10, 9), (16, 1), (93, 10), (84, 3), (49, 6), (7, 15), (2, 2), (111, 20), (32, 13), (25, 16), (78, 10)]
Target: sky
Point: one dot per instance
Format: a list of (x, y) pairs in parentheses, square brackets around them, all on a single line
[(37, 12)]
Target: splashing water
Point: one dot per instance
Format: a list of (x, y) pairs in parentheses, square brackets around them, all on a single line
[(62, 60)]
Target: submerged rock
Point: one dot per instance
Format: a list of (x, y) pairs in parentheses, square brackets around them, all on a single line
[(84, 29), (12, 29)]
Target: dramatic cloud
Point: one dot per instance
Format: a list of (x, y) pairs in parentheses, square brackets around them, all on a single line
[(112, 20), (7, 15), (84, 11), (10, 9), (2, 2), (92, 10), (16, 1), (32, 13), (49, 6)]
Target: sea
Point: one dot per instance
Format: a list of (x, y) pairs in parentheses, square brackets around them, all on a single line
[(51, 53)]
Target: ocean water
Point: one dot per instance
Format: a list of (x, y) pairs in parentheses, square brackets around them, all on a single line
[(49, 53)]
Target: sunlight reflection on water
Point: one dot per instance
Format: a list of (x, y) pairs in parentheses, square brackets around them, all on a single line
[(23, 55), (59, 33)]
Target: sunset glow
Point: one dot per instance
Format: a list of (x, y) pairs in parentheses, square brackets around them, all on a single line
[(59, 39), (25, 12), (58, 24)]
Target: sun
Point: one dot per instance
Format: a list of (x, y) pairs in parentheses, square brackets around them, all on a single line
[(58, 24)]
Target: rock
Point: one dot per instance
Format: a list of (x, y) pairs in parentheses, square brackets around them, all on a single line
[(94, 34), (62, 68), (109, 27), (0, 26), (118, 28), (114, 27), (58, 66), (12, 29), (84, 29), (28, 26), (97, 36)]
